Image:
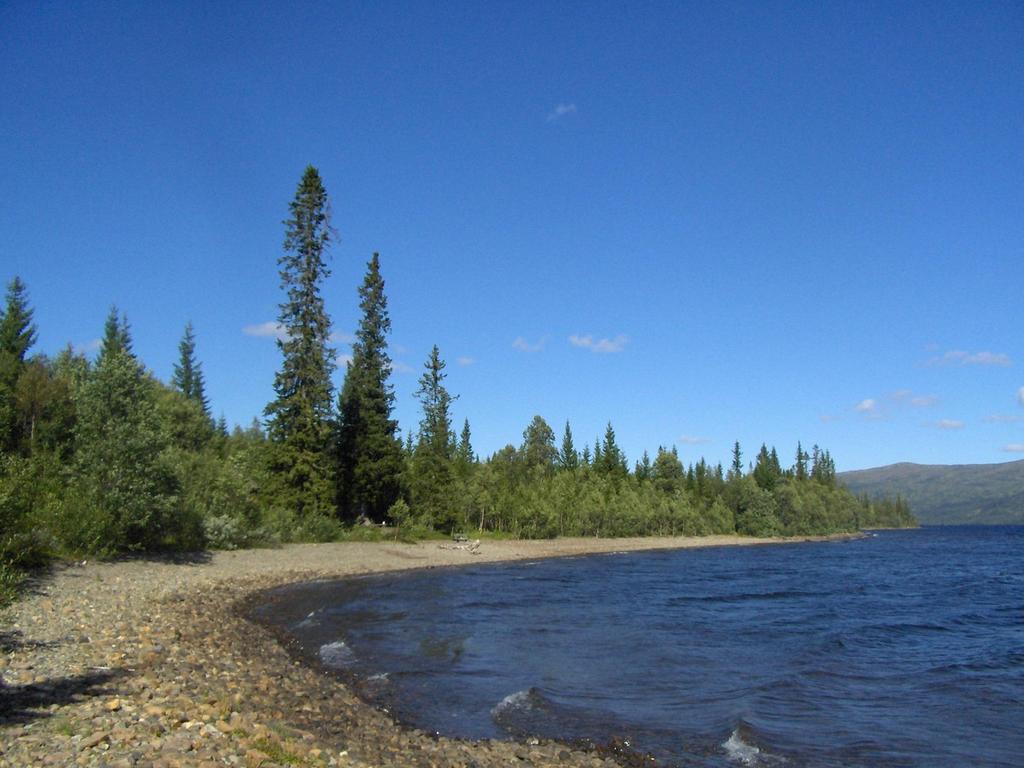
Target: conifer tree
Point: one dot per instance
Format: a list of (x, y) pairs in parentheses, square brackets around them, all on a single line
[(431, 480), (568, 459), (17, 335), (736, 471), (800, 468), (612, 460), (464, 454), (299, 417), (368, 450), (117, 335), (188, 372), (643, 468)]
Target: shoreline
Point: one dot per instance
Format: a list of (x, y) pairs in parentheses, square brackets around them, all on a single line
[(154, 662)]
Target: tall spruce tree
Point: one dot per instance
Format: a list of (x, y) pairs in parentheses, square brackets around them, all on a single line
[(17, 335), (431, 481), (188, 372), (368, 450), (299, 419), (611, 461), (568, 458), (117, 336)]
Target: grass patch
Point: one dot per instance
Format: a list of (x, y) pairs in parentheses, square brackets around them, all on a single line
[(278, 752)]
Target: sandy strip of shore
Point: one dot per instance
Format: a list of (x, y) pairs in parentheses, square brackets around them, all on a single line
[(149, 662)]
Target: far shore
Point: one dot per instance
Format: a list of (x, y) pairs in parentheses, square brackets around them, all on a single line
[(150, 662)]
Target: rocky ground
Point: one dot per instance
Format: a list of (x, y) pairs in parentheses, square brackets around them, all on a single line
[(152, 663)]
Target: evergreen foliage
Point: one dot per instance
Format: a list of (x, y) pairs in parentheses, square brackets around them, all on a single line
[(299, 418), (368, 450), (17, 335), (188, 373), (568, 458), (431, 475)]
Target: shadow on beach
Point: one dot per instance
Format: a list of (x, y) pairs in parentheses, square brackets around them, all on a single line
[(21, 704)]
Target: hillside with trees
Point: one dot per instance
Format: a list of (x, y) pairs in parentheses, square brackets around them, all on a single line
[(100, 457), (957, 494)]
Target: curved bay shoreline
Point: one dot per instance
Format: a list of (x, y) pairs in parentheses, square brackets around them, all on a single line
[(152, 662)]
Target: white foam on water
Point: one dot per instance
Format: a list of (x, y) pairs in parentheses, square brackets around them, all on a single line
[(739, 751), (309, 621), (380, 677), (517, 700), (336, 654)]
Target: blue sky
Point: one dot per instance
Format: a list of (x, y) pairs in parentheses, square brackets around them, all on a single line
[(704, 222)]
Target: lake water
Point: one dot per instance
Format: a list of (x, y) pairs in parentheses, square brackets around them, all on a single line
[(903, 649)]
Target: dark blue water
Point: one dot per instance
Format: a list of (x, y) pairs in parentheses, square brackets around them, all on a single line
[(904, 649)]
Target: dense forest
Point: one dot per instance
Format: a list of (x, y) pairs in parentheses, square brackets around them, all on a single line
[(100, 457)]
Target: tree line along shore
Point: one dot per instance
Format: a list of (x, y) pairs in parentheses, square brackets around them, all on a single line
[(100, 457)]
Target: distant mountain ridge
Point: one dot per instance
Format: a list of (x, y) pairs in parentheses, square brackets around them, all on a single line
[(941, 494)]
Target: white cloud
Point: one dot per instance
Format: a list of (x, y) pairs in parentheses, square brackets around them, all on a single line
[(1003, 418), (1014, 448), (948, 424), (827, 418), (465, 360), (907, 397), (560, 111), (344, 338), (961, 357), (89, 346), (269, 328), (603, 346), (399, 367), (344, 360), (867, 405), (1020, 395), (693, 440), (525, 346)]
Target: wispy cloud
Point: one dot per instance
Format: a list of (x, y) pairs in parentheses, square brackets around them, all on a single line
[(1020, 395), (693, 440), (525, 346), (867, 405), (1003, 418), (399, 367), (827, 418), (947, 424), (560, 111), (603, 346), (908, 397), (961, 357), (88, 347), (341, 338), (269, 328), (1014, 448), (465, 360)]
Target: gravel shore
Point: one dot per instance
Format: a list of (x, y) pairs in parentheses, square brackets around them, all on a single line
[(150, 663)]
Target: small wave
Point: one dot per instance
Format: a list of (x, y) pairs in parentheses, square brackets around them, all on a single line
[(526, 700), (309, 621), (336, 654), (740, 748), (787, 594), (740, 751)]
